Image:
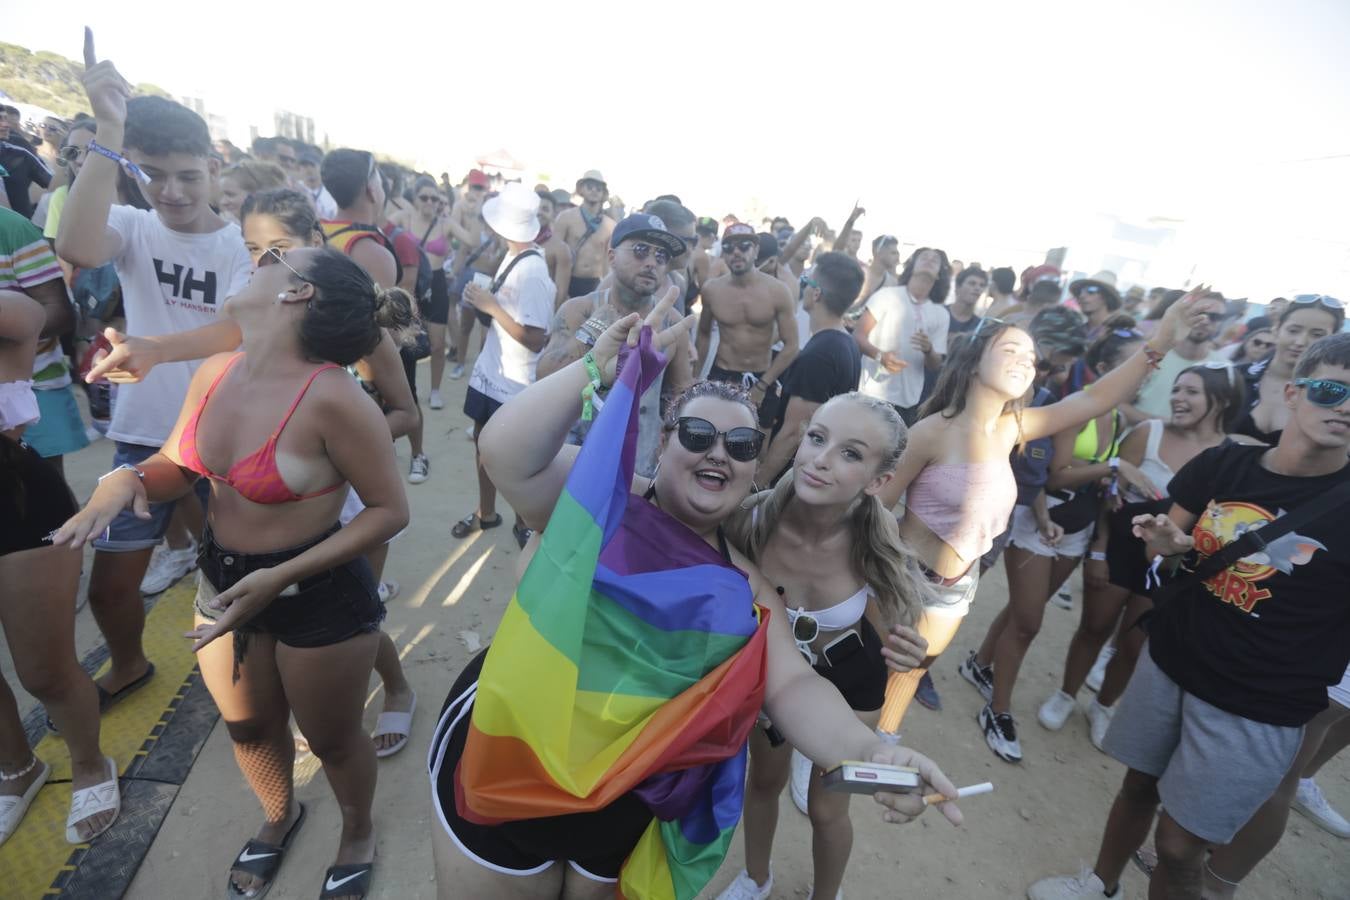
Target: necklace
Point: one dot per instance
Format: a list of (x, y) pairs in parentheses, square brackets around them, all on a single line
[(32, 763)]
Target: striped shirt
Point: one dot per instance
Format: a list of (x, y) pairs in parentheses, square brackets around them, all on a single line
[(26, 259)]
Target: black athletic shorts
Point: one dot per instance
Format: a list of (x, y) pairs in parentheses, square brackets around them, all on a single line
[(580, 287), (1127, 561), (861, 676), (34, 498), (594, 844), (479, 407), (436, 309)]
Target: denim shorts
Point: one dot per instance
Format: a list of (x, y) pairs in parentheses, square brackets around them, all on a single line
[(318, 611), (129, 532)]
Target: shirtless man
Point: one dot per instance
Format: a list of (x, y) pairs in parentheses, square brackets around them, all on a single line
[(555, 251), (640, 254), (586, 230), (752, 310), (477, 249), (849, 241)]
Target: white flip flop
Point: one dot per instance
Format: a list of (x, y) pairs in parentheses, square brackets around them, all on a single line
[(395, 723), (86, 802), (13, 809)]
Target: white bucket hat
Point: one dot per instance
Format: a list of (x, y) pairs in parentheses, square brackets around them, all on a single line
[(513, 213)]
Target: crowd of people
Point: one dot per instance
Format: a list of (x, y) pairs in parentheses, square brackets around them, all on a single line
[(840, 442)]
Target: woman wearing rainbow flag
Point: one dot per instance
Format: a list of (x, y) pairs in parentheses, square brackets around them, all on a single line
[(607, 726)]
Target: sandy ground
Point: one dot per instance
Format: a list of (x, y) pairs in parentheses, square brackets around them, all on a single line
[(1044, 817)]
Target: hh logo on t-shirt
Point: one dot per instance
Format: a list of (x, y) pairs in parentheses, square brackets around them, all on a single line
[(184, 283), (1224, 523)]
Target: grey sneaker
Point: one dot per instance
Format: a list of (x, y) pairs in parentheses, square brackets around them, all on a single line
[(1000, 733), (981, 677), (419, 469)]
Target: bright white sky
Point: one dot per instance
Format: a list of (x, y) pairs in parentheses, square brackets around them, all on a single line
[(992, 129)]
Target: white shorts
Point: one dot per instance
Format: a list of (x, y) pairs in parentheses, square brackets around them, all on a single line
[(1024, 535), (1340, 693), (351, 507)]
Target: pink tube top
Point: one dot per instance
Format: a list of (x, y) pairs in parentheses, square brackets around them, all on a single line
[(967, 505)]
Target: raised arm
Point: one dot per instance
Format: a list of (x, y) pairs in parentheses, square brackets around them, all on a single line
[(1122, 383), (801, 237), (522, 446), (84, 237), (841, 240)]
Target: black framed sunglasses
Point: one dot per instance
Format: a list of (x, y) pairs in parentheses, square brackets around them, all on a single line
[(1320, 391), (1090, 289), (641, 251), (742, 245), (698, 436)]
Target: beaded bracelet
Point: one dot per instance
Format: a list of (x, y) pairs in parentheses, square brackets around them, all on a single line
[(589, 401)]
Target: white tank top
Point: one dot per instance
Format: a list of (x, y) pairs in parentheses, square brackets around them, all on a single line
[(1152, 465)]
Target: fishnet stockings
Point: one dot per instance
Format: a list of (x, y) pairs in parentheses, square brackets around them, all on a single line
[(267, 764)]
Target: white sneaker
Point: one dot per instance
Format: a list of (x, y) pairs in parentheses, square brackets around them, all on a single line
[(1068, 887), (1000, 733), (419, 469), (457, 371), (1055, 711), (1099, 720), (744, 888), (435, 401), (1310, 801), (838, 895), (980, 677), (801, 780), (167, 566), (1098, 673), (388, 590)]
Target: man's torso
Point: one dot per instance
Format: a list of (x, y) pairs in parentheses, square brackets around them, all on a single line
[(746, 319)]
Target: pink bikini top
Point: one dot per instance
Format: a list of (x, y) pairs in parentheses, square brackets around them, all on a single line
[(437, 246), (256, 476), (967, 505)]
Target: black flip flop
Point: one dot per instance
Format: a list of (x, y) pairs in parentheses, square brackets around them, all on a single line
[(107, 700), (347, 881), (471, 523), (262, 860), (522, 534)]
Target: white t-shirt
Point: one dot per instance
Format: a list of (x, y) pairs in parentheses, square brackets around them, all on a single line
[(171, 281), (506, 367), (324, 204), (899, 318)]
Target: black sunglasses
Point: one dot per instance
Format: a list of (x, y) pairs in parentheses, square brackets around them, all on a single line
[(1090, 289), (698, 436), (641, 251), (741, 244), (1321, 392), (428, 198)]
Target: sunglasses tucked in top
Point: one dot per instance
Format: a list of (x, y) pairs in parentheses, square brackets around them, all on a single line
[(698, 436), (1322, 392)]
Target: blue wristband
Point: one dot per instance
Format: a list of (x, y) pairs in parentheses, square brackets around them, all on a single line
[(127, 165)]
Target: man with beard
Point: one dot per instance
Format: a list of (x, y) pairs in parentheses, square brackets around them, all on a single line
[(752, 310), (640, 254), (587, 231), (556, 254)]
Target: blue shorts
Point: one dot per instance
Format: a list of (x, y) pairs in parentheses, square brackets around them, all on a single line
[(60, 430), (128, 532)]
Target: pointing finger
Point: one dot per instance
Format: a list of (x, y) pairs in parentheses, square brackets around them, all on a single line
[(90, 60)]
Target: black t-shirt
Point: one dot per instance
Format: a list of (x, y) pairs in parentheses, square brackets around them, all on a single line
[(1264, 638), (24, 167), (955, 327), (829, 365)]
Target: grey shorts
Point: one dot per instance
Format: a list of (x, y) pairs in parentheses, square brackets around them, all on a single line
[(1214, 768)]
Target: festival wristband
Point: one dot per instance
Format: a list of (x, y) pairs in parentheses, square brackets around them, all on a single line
[(128, 466), (127, 165), (589, 401), (1153, 357)]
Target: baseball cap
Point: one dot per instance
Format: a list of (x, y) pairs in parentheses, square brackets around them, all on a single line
[(739, 229), (478, 178), (641, 226), (707, 225), (768, 246), (1060, 329), (561, 197)]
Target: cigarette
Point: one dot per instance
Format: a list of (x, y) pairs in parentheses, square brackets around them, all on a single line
[(971, 791)]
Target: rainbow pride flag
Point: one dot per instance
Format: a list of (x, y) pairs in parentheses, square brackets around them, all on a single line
[(631, 658)]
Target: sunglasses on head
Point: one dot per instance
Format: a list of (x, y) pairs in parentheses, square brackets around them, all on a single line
[(641, 251), (742, 245), (1322, 392), (1323, 299), (698, 436), (1218, 364)]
